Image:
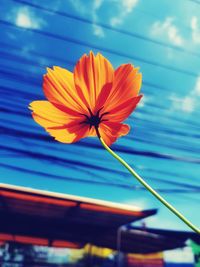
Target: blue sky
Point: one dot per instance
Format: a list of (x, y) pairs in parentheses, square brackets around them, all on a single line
[(163, 39)]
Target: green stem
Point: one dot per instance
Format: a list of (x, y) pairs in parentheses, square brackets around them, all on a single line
[(149, 188)]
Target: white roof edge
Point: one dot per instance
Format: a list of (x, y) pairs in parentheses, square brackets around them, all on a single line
[(71, 197)]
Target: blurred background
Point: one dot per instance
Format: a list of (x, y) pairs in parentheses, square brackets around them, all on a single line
[(160, 37)]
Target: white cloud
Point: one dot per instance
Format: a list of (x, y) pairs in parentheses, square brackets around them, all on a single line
[(97, 4), (97, 30), (195, 30), (125, 7), (185, 104), (91, 10), (189, 102), (196, 90), (27, 19), (167, 29)]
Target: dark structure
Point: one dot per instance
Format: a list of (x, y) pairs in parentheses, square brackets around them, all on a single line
[(44, 218)]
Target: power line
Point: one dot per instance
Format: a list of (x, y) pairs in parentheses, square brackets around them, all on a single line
[(101, 48), (26, 135), (108, 27), (29, 80), (92, 181), (139, 139), (127, 150)]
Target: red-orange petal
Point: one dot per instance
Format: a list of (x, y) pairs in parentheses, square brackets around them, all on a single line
[(103, 95), (126, 85), (110, 131), (122, 112), (91, 73)]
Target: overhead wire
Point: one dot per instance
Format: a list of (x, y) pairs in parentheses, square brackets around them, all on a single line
[(109, 52), (27, 78), (107, 26), (102, 48)]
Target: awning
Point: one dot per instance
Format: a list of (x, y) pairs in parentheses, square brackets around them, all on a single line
[(45, 218)]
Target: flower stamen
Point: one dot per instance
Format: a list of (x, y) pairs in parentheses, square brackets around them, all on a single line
[(94, 119)]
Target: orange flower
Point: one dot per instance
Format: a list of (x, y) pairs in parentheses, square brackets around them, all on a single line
[(92, 101)]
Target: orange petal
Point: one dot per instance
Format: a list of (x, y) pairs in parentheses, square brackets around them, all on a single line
[(121, 112), (54, 121), (103, 95), (49, 114), (75, 127), (82, 133), (59, 88), (91, 73), (110, 131), (126, 85)]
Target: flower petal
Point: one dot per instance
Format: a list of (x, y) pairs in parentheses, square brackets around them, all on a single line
[(126, 85), (49, 114), (110, 131), (91, 73), (76, 127), (54, 121), (59, 88), (103, 95), (121, 112)]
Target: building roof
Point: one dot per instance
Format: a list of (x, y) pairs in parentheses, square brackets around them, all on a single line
[(61, 220)]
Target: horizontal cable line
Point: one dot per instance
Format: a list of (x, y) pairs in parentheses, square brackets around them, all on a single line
[(71, 63), (162, 129), (69, 179), (108, 27), (20, 58), (60, 160), (176, 146), (173, 145), (29, 80), (158, 155), (166, 173), (144, 83), (9, 130), (92, 181), (28, 95), (148, 104), (120, 149), (139, 139), (26, 134), (193, 188), (101, 48), (8, 46), (27, 153)]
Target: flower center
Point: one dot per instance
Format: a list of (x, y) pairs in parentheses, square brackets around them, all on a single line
[(94, 119)]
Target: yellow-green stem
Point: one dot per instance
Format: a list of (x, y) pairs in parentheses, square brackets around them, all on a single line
[(149, 188)]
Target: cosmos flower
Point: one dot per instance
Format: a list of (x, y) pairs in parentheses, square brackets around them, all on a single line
[(94, 100)]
